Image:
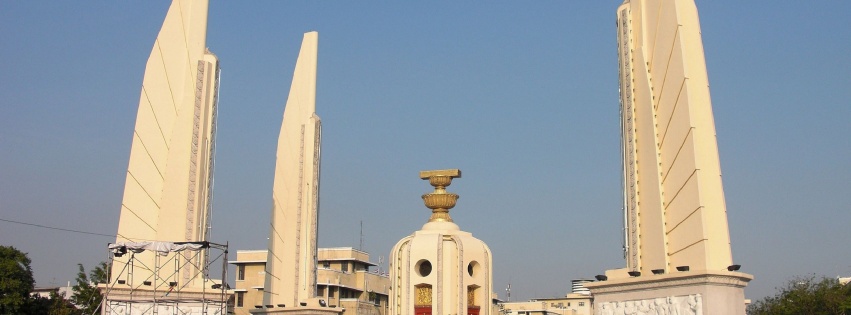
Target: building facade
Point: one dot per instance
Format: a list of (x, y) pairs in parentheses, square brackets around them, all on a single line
[(346, 279), (571, 304)]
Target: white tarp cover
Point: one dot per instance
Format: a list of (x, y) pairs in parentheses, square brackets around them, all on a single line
[(162, 248)]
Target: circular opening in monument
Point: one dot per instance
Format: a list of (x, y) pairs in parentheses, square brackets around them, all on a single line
[(473, 268), (423, 268)]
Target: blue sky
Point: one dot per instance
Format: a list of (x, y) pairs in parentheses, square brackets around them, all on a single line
[(521, 96)]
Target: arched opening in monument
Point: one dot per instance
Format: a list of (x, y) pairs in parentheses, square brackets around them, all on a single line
[(423, 299)]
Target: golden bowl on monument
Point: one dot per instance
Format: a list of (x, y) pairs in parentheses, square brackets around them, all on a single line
[(440, 201)]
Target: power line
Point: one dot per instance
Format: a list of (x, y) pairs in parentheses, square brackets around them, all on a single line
[(58, 229), (81, 232)]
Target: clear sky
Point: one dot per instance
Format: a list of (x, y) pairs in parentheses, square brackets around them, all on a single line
[(521, 96)]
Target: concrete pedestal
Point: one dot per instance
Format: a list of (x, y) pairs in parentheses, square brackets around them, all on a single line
[(313, 306), (122, 300), (680, 293), (302, 310)]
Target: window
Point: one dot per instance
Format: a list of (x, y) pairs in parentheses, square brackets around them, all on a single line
[(347, 294), (240, 273), (581, 303), (326, 264), (345, 267), (320, 291), (374, 298), (423, 268), (240, 296)]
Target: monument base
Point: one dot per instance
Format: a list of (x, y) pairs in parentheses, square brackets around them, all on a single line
[(304, 310), (124, 300), (312, 307), (682, 293)]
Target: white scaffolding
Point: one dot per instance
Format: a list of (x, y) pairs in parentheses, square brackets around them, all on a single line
[(178, 283)]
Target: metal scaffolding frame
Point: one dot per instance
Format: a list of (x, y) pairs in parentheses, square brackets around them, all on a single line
[(161, 291)]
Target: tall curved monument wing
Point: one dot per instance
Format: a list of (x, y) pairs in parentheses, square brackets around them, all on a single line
[(674, 201), (291, 262), (677, 243), (169, 175)]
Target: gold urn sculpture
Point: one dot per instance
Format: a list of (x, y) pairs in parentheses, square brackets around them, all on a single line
[(440, 201)]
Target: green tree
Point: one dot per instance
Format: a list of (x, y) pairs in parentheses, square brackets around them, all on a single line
[(86, 294), (16, 280), (823, 296), (54, 305), (59, 305)]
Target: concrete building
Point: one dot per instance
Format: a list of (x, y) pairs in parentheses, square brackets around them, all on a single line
[(577, 302), (250, 278), (168, 184), (290, 278), (346, 280), (570, 304), (676, 242), (441, 269), (67, 291)]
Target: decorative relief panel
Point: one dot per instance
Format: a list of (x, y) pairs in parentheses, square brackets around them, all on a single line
[(628, 141), (672, 305), (423, 295)]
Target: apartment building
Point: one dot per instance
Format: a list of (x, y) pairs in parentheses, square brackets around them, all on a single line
[(345, 277)]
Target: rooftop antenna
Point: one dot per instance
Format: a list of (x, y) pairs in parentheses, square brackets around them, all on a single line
[(508, 292), (361, 236)]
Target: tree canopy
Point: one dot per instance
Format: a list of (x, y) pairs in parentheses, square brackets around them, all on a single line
[(806, 295), (16, 280), (17, 283), (86, 294)]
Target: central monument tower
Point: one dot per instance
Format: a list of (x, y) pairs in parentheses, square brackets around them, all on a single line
[(440, 269)]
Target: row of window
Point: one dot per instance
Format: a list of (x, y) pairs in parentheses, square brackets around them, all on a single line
[(344, 294), (561, 304), (344, 267)]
